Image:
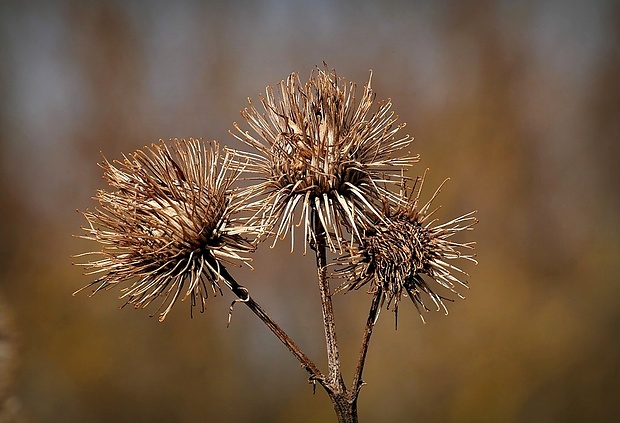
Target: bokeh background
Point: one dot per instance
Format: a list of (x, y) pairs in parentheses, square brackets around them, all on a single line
[(517, 102)]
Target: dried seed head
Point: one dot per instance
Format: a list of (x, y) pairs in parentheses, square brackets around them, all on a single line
[(398, 256), (320, 150), (168, 224)]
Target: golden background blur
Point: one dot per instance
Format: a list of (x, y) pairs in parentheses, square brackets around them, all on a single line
[(517, 102)]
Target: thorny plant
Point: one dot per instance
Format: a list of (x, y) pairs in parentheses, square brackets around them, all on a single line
[(176, 216)]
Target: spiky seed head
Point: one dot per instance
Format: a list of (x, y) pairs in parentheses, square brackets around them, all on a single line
[(168, 224), (320, 150), (404, 252)]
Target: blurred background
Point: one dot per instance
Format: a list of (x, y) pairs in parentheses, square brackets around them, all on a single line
[(517, 102)]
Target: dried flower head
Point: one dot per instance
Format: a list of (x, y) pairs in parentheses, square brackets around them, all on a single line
[(320, 151), (168, 224), (399, 255)]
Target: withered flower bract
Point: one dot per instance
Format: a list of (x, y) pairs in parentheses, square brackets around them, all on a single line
[(399, 255), (320, 151), (168, 223)]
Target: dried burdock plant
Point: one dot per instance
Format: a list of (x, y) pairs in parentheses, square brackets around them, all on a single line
[(168, 224), (176, 217), (319, 149), (400, 253)]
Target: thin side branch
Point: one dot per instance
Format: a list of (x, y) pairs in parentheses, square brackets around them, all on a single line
[(243, 294), (370, 324)]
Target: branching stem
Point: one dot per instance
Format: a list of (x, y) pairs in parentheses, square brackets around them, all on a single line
[(343, 400)]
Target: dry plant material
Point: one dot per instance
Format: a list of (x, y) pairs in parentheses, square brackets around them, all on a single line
[(176, 215), (400, 253), (318, 149), (168, 223)]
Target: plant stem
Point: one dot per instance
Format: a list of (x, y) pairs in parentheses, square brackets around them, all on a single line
[(345, 407), (343, 400), (244, 296), (370, 324), (334, 377), (345, 404)]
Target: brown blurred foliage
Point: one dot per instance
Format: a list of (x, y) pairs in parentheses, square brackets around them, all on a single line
[(518, 102)]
